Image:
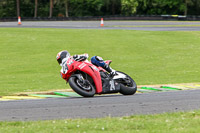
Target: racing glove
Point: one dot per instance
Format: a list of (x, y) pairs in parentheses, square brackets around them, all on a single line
[(81, 57)]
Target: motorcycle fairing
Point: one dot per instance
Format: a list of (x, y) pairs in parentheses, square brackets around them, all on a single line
[(110, 86), (88, 68), (119, 75), (93, 71)]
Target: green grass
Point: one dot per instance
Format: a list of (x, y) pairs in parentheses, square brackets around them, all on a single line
[(28, 55), (181, 122), (28, 63)]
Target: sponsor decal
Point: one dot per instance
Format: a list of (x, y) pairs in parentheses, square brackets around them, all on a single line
[(82, 65), (95, 68), (112, 85)]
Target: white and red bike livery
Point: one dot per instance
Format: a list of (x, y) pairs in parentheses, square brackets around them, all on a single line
[(87, 79)]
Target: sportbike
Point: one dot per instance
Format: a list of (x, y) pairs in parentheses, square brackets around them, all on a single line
[(87, 79)]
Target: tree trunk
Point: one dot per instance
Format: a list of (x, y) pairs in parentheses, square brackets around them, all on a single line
[(113, 7), (66, 8), (36, 7), (18, 8), (51, 9), (186, 4)]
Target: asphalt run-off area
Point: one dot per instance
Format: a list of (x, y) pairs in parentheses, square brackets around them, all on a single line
[(147, 100), (124, 25)]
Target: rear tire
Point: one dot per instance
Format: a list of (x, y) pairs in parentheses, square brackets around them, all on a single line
[(73, 82), (128, 89)]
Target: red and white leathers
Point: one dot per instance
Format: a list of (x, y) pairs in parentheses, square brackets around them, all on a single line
[(68, 60), (98, 61)]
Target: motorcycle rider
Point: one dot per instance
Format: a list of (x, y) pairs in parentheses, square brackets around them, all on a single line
[(64, 56)]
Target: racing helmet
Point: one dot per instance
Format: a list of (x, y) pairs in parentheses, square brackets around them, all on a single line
[(62, 55)]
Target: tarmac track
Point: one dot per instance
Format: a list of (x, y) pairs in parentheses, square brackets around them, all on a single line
[(103, 106), (123, 25), (99, 106)]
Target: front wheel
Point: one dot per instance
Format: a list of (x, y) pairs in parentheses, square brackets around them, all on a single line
[(127, 85), (82, 87)]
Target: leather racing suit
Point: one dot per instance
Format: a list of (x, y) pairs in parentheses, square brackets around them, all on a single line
[(96, 60)]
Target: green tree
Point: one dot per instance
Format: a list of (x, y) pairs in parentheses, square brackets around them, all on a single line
[(111, 7), (187, 3), (85, 7), (194, 9), (66, 8), (129, 7), (8, 8), (63, 7), (160, 7), (27, 8)]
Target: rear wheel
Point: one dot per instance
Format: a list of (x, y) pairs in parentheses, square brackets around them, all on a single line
[(127, 85), (82, 86)]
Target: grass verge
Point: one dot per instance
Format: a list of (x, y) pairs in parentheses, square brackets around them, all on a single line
[(182, 122), (28, 55)]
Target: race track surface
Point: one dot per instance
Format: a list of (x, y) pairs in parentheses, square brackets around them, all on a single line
[(99, 106), (127, 25)]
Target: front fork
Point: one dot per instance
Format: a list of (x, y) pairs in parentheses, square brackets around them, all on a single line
[(84, 83)]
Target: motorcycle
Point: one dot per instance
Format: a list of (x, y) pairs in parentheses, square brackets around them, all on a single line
[(87, 79)]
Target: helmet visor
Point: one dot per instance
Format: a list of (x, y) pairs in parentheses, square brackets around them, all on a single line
[(59, 61)]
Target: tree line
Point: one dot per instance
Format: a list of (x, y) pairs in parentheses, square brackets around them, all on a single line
[(78, 8)]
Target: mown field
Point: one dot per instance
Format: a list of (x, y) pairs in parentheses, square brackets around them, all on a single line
[(28, 56), (28, 63), (161, 123)]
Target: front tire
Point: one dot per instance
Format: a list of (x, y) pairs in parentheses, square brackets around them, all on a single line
[(128, 86), (74, 83)]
